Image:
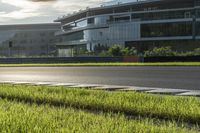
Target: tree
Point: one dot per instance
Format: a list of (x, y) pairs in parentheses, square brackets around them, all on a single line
[(116, 50)]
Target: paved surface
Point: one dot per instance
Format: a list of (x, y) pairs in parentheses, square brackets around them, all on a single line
[(158, 77)]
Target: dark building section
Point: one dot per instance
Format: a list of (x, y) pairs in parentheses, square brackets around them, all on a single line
[(166, 29), (28, 40)]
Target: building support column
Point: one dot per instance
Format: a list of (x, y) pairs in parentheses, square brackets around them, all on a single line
[(194, 27)]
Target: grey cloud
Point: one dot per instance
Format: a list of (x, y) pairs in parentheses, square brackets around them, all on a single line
[(7, 8), (42, 0)]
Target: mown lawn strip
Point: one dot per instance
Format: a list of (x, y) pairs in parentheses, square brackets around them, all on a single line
[(19, 117), (182, 109)]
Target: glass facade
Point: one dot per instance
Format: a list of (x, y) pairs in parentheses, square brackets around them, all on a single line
[(101, 20), (197, 2), (75, 25), (90, 21), (166, 29), (164, 15), (198, 28), (198, 13), (73, 37), (76, 50)]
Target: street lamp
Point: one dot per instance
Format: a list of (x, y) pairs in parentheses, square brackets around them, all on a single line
[(10, 47)]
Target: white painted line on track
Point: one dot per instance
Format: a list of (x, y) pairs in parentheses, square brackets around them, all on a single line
[(21, 83), (111, 87), (86, 86), (168, 91), (178, 92), (64, 84), (41, 83), (190, 93), (137, 89)]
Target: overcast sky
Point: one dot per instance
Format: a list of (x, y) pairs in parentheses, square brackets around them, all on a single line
[(41, 11), (32, 11)]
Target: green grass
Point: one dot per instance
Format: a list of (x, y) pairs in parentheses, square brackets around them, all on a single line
[(183, 109), (18, 117), (103, 64)]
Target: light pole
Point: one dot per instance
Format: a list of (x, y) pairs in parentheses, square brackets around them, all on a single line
[(10, 47)]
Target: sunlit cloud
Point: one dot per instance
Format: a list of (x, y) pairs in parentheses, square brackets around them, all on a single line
[(42, 0), (74, 5), (23, 10), (26, 9)]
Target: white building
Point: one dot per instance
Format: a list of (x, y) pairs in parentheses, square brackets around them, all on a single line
[(142, 24)]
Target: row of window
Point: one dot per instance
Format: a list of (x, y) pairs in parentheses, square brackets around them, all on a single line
[(197, 2), (73, 37), (164, 15), (170, 4), (167, 29), (198, 13), (151, 16), (135, 16), (30, 34), (33, 41), (147, 30), (198, 28)]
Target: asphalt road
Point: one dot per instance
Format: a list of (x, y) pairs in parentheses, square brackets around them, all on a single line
[(162, 77)]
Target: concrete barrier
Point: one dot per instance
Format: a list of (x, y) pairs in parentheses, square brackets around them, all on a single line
[(60, 60), (173, 59), (132, 59)]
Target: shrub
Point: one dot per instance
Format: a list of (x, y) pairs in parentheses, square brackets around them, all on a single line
[(129, 51), (197, 51), (116, 50), (100, 48), (162, 51)]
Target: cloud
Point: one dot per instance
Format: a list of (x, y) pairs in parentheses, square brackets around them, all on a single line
[(26, 9), (70, 6), (42, 0), (23, 10)]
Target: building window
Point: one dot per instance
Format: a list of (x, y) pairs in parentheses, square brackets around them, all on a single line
[(166, 29), (198, 29), (73, 37), (90, 21), (121, 18), (187, 14), (101, 34), (42, 34), (198, 13), (197, 2)]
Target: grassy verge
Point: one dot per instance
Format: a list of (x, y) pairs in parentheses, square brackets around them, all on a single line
[(103, 64), (20, 117), (183, 109)]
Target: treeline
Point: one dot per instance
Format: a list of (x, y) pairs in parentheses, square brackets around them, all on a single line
[(118, 50), (167, 51)]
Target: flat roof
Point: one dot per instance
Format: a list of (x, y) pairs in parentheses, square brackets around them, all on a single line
[(30, 26)]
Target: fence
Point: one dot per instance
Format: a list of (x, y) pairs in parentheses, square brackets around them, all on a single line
[(60, 60), (97, 59), (173, 59)]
